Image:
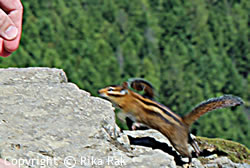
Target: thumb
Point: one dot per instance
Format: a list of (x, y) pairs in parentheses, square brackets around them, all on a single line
[(8, 29)]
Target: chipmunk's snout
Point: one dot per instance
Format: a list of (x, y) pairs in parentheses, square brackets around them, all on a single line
[(102, 93), (99, 91)]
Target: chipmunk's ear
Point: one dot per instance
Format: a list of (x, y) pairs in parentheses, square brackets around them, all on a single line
[(125, 85), (124, 88), (142, 85)]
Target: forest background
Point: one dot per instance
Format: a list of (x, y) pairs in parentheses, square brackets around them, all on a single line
[(189, 50)]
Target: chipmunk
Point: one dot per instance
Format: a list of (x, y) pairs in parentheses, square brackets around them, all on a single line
[(161, 118)]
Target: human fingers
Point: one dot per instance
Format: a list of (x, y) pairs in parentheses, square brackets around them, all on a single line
[(8, 30), (1, 46), (10, 5), (16, 13), (3, 52), (14, 9), (16, 17)]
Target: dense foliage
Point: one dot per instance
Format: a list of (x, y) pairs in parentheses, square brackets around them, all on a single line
[(189, 50)]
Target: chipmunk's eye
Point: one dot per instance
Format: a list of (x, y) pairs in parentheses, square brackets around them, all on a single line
[(110, 89)]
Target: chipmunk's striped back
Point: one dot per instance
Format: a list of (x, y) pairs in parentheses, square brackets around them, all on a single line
[(125, 99)]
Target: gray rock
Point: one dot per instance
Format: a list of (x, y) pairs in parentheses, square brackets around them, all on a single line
[(148, 133), (32, 75), (224, 162), (196, 163)]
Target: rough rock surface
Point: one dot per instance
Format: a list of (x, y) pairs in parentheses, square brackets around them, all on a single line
[(47, 122)]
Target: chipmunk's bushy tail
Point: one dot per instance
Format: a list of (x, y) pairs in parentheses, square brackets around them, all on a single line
[(209, 105)]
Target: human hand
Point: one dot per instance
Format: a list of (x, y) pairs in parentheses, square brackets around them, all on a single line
[(11, 13)]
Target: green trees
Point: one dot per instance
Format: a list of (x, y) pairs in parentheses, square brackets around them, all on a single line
[(189, 50)]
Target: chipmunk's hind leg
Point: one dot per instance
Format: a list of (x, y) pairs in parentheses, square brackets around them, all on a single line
[(194, 144)]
